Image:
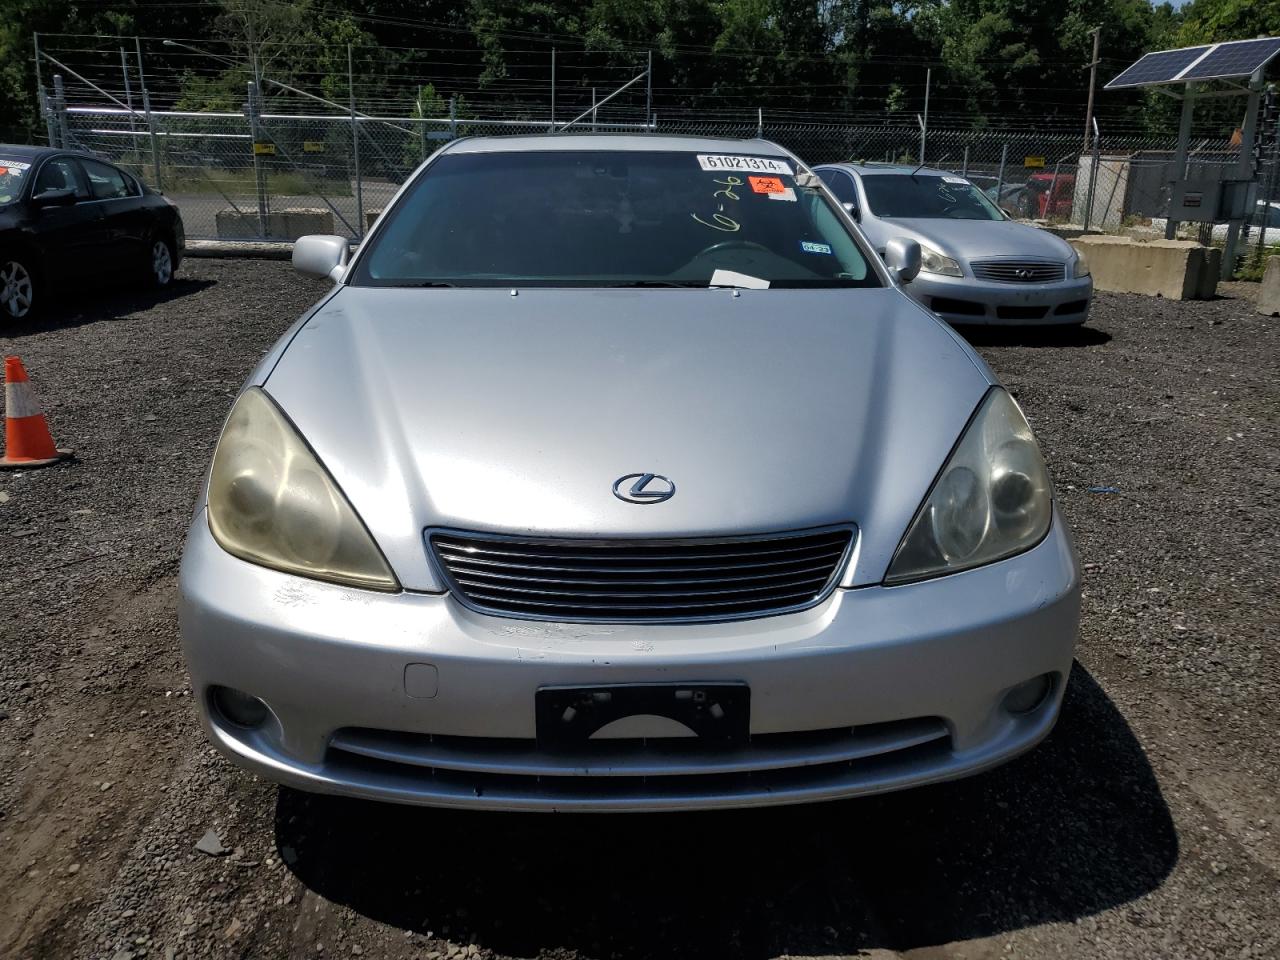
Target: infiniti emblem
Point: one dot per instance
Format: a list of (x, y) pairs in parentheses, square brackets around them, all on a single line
[(643, 488), (1022, 273)]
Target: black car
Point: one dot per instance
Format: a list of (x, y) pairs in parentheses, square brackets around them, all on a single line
[(67, 217)]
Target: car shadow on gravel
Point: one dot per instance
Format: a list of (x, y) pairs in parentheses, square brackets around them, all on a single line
[(1073, 336), (96, 304), (1073, 828)]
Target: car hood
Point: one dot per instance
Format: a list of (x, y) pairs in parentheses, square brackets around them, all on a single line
[(969, 240), (486, 410)]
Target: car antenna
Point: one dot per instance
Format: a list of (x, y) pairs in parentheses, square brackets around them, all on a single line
[(940, 162)]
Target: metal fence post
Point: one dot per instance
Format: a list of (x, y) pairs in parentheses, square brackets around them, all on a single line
[(453, 118), (60, 111), (553, 89), (1095, 168), (259, 176), (1271, 192), (760, 123), (1004, 155), (355, 143), (964, 164), (151, 122)]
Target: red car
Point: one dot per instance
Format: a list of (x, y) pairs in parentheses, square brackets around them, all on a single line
[(1034, 200)]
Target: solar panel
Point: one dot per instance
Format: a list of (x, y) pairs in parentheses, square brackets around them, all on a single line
[(1238, 59), (1159, 67)]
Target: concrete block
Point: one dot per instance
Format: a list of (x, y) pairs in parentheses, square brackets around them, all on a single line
[(287, 224), (1269, 294), (1173, 269)]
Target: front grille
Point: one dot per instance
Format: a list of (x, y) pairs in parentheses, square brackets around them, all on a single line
[(1018, 271), (641, 581)]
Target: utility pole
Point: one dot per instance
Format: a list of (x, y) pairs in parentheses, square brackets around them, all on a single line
[(1093, 76)]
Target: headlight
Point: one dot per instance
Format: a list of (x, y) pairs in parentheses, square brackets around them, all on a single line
[(1082, 265), (931, 261), (271, 502), (992, 500)]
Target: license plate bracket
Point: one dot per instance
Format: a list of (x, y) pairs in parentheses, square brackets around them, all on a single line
[(568, 716)]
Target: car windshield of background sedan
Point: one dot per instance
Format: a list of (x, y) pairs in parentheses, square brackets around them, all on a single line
[(927, 198), (612, 218)]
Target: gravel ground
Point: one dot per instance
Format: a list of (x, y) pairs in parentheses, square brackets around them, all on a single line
[(1147, 825)]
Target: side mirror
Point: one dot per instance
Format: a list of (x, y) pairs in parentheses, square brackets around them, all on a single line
[(62, 197), (852, 209), (321, 256), (902, 257)]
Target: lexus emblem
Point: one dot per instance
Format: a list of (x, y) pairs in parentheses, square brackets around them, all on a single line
[(643, 488)]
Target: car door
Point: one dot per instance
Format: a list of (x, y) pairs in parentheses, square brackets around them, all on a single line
[(126, 220), (72, 237)]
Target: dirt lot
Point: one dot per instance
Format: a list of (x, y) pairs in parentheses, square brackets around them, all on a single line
[(1147, 826)]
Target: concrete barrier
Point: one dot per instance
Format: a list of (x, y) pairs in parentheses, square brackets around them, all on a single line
[(1269, 294), (288, 224), (1173, 269)]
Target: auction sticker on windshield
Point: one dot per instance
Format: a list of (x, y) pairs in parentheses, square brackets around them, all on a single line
[(721, 161)]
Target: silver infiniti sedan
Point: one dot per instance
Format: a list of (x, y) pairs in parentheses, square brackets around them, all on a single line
[(978, 266), (619, 473)]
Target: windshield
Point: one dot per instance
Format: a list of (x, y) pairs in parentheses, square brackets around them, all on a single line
[(927, 197), (612, 218), (12, 176)]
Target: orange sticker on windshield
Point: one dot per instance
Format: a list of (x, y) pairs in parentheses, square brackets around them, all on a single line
[(766, 184)]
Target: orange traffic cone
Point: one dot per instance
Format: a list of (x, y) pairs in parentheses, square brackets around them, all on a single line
[(27, 440)]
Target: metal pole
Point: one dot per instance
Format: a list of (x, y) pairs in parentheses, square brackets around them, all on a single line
[(60, 111), (453, 118), (259, 178), (760, 123), (593, 109), (1271, 191), (1093, 76), (422, 129), (1093, 182), (924, 126), (1180, 157), (146, 109), (355, 141), (648, 92), (1004, 155), (1244, 169), (35, 39), (553, 89), (964, 164), (128, 89)]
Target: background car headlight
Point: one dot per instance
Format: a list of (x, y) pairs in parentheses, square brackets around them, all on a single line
[(931, 261), (1082, 265), (271, 502), (993, 498)]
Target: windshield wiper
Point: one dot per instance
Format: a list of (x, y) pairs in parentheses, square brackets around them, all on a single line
[(422, 284)]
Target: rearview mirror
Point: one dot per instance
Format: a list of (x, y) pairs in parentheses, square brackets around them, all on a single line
[(61, 197), (321, 256), (902, 257), (852, 209)]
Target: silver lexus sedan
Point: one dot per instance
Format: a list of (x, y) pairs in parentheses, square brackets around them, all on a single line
[(619, 473), (979, 267)]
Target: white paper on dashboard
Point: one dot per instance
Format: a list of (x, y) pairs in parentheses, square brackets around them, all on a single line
[(730, 278)]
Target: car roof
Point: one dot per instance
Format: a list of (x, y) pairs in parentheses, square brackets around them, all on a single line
[(637, 142), (27, 151), (872, 169), (20, 151)]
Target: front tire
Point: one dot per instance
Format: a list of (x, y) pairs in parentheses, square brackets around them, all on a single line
[(17, 288), (160, 262)]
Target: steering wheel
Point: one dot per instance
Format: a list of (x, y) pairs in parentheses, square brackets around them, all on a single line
[(733, 245)]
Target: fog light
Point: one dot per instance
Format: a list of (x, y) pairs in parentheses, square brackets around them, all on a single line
[(240, 708), (1029, 694)]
